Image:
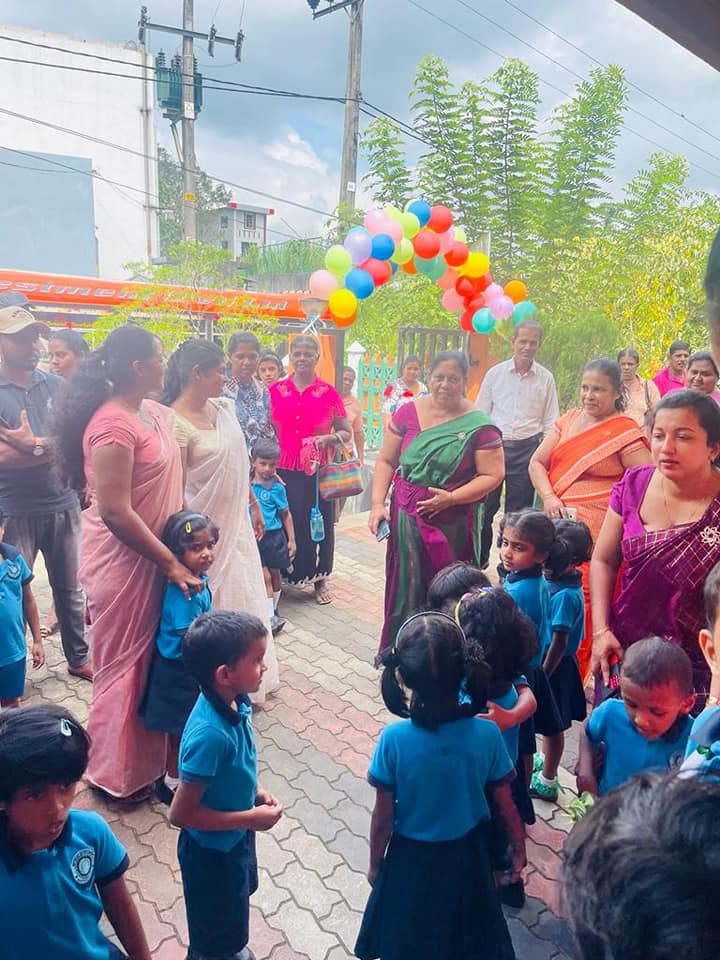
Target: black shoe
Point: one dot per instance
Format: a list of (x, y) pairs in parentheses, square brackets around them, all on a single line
[(276, 624), (163, 792), (512, 894)]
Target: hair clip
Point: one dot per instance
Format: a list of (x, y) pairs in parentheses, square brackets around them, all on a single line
[(66, 727), (188, 527)]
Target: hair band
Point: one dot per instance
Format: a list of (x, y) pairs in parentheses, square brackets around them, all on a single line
[(427, 613)]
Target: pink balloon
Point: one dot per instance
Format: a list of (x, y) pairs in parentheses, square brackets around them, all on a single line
[(446, 240), (394, 229), (376, 222), (448, 279), (452, 301), (322, 284), (493, 292), (501, 307)]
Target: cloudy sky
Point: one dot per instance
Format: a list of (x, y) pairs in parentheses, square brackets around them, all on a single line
[(291, 148)]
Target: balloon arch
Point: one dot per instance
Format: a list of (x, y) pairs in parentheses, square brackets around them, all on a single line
[(419, 239)]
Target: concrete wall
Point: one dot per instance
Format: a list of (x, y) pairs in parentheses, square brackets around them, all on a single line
[(103, 107)]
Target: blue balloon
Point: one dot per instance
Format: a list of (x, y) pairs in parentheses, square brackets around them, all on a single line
[(383, 246), (523, 310), (421, 210), (360, 283), (483, 321)]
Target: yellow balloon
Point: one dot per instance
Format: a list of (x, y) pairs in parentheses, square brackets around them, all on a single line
[(404, 251), (392, 213), (476, 265), (342, 303)]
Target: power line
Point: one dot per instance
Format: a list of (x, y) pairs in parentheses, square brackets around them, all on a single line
[(139, 153), (579, 76), (635, 86), (552, 86)]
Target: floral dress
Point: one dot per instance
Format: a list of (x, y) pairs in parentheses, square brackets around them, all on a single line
[(397, 394)]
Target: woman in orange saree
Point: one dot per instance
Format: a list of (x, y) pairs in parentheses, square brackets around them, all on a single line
[(587, 451)]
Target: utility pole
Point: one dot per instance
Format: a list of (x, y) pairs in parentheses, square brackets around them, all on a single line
[(189, 220), (348, 168)]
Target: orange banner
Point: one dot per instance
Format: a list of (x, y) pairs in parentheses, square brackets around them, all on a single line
[(88, 292)]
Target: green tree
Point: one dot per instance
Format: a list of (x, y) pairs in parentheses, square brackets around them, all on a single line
[(389, 177), (294, 256), (210, 195)]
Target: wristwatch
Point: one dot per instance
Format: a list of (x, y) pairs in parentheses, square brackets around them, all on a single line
[(38, 448)]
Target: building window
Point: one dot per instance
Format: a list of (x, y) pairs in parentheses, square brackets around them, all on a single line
[(245, 248), (224, 244), (224, 222), (250, 221)]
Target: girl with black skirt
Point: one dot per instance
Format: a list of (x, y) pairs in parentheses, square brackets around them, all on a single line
[(432, 887), (567, 622)]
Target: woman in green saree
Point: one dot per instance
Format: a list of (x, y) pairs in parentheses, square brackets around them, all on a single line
[(443, 458)]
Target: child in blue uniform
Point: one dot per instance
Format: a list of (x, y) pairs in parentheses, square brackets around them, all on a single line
[(219, 803), (648, 728), (430, 870), (528, 541), (17, 607), (702, 757), (491, 620), (277, 547), (171, 691), (567, 623), (60, 868)]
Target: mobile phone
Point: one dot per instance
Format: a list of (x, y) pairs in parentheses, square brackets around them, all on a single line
[(612, 688), (383, 531), (571, 512)]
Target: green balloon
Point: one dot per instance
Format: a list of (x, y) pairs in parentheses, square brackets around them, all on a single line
[(523, 311), (433, 268), (409, 223), (338, 260)]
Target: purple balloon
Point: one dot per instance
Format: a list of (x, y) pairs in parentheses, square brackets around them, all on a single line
[(358, 244)]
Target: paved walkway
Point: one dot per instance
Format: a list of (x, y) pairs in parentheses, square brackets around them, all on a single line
[(314, 740)]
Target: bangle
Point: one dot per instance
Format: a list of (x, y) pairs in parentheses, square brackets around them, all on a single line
[(712, 701), (600, 632), (548, 493)]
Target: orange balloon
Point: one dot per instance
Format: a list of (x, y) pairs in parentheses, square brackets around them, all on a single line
[(342, 322), (409, 267), (516, 290)]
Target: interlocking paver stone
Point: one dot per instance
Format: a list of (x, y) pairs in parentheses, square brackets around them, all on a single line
[(344, 922), (269, 895), (307, 889), (302, 930), (312, 852)]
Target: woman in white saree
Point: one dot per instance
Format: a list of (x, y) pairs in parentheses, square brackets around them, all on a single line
[(217, 483)]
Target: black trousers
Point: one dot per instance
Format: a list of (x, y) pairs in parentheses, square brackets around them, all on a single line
[(519, 491)]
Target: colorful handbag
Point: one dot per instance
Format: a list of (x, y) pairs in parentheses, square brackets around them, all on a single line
[(341, 479)]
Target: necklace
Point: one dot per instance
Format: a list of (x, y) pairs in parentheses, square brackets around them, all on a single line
[(139, 412), (698, 507)]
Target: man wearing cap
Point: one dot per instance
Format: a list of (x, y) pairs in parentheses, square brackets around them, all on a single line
[(41, 513)]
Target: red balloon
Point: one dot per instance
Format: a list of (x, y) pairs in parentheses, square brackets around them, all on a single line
[(427, 244), (477, 303), (466, 321), (441, 218), (485, 281), (464, 287), (457, 254), (379, 270)]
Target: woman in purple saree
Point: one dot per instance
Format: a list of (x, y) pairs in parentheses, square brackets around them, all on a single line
[(662, 532), (444, 457)]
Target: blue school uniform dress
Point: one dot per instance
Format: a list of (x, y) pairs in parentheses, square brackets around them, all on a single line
[(702, 755), (434, 895), (171, 692), (529, 590), (567, 613), (14, 574), (51, 906), (273, 546), (626, 752), (219, 869)]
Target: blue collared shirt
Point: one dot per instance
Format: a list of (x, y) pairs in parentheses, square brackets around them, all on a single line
[(567, 609), (529, 590), (14, 573), (178, 612), (51, 904), (218, 749)]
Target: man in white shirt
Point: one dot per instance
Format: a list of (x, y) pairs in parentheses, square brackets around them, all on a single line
[(520, 397)]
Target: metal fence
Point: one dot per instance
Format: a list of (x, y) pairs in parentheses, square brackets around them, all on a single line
[(427, 342), (375, 373)]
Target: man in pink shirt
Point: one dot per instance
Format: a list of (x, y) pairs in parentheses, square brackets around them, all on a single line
[(672, 377)]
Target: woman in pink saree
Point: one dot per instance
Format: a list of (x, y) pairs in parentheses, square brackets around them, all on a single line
[(663, 524), (121, 446), (217, 483)]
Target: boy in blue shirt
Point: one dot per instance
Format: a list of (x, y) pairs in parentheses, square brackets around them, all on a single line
[(702, 757), (277, 547), (60, 868), (219, 804), (17, 607), (648, 728)]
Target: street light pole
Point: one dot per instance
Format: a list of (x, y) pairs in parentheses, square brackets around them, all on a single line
[(189, 219), (348, 169)]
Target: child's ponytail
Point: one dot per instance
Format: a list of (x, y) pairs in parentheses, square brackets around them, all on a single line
[(392, 693), (559, 557)]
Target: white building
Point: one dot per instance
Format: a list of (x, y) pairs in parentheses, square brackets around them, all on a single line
[(53, 121), (235, 228)]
